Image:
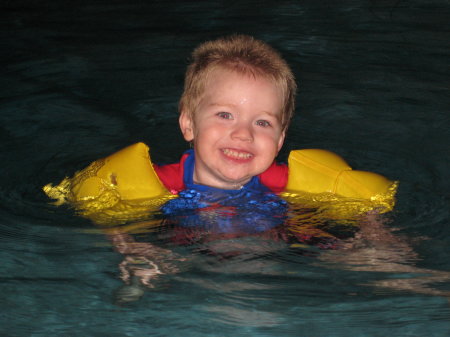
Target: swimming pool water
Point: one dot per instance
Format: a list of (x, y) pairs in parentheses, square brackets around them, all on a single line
[(82, 80)]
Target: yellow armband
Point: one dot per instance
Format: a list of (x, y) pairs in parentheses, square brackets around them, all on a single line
[(123, 186), (325, 176)]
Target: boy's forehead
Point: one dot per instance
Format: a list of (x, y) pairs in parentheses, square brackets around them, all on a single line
[(215, 91), (220, 73)]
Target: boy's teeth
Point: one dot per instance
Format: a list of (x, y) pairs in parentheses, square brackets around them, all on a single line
[(235, 154)]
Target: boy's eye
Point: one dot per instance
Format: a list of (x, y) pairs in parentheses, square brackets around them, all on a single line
[(262, 123), (225, 115)]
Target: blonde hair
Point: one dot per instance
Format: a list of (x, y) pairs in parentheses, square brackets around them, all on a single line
[(242, 54)]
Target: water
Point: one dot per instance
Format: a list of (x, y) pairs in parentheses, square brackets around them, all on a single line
[(80, 81)]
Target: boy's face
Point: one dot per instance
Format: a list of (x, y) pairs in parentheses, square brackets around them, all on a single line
[(235, 128)]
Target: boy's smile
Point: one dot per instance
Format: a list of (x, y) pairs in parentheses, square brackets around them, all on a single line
[(236, 128)]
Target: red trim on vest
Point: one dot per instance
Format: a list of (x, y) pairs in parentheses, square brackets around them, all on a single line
[(171, 175), (275, 177)]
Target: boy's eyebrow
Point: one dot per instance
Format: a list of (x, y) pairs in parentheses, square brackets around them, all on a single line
[(224, 104), (272, 114)]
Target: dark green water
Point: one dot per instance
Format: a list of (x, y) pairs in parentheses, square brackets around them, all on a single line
[(82, 79)]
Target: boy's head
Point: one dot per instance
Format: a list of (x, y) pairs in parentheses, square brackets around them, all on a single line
[(238, 101), (244, 55)]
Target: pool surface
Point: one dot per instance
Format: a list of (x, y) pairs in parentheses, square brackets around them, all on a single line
[(80, 80)]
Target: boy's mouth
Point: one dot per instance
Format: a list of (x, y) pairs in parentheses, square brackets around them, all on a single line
[(236, 154)]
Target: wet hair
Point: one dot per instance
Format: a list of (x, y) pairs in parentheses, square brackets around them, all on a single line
[(244, 55)]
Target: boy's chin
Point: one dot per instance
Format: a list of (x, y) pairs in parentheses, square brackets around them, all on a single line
[(235, 183)]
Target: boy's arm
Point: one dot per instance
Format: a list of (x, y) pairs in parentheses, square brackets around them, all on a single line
[(142, 260)]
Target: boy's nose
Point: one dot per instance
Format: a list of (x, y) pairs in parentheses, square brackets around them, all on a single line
[(243, 133)]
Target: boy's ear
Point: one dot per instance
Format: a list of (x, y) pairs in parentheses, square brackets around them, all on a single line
[(281, 140), (186, 126)]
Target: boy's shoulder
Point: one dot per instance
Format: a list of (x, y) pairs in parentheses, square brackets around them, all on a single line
[(171, 175), (275, 177)]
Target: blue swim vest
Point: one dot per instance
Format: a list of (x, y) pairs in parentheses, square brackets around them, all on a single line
[(251, 209)]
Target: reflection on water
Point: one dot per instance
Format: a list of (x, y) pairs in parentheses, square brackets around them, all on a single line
[(362, 243), (81, 80)]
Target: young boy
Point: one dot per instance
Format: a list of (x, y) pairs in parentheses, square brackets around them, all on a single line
[(238, 100)]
